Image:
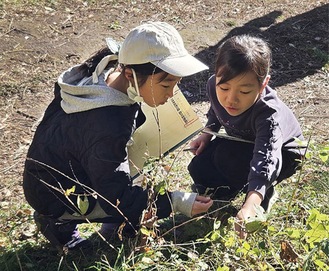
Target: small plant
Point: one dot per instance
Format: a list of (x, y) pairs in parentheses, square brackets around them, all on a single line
[(115, 25), (230, 23)]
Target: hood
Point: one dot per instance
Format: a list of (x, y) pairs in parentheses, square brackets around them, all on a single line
[(85, 93)]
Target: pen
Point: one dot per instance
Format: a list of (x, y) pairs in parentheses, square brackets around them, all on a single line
[(190, 149)]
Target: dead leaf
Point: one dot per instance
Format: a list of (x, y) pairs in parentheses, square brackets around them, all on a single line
[(167, 168), (287, 252), (120, 231)]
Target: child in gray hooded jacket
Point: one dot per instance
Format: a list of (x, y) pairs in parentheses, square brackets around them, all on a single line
[(79, 150)]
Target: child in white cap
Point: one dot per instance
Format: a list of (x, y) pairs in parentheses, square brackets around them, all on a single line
[(81, 144)]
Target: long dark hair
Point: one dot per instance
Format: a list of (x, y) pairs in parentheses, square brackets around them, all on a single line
[(142, 70), (240, 54)]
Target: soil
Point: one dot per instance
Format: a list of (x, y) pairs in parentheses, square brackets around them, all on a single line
[(40, 40)]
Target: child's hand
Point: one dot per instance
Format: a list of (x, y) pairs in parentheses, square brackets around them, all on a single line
[(200, 143), (201, 205), (247, 211), (242, 215)]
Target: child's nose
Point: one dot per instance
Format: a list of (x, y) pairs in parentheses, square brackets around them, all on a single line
[(170, 93), (232, 98)]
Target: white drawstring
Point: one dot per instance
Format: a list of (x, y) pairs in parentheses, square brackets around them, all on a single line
[(102, 65), (133, 92)]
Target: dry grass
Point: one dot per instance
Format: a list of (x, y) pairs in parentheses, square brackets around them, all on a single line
[(39, 39)]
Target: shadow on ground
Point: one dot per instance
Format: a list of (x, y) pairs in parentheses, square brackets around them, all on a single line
[(299, 46), (101, 255), (43, 256)]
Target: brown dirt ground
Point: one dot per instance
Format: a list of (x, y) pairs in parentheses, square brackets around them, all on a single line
[(39, 41)]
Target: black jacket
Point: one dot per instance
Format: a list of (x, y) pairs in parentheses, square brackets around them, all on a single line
[(88, 147)]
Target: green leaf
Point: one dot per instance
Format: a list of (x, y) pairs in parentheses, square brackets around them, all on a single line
[(246, 245), (317, 234), (223, 268), (70, 190), (258, 222), (315, 217), (215, 236), (146, 232), (83, 204), (293, 233), (308, 155), (323, 156), (254, 225), (321, 264), (161, 188), (271, 228), (262, 245), (229, 242)]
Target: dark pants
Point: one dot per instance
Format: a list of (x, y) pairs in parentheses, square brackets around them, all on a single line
[(222, 169)]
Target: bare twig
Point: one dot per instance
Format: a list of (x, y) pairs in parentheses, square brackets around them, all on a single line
[(81, 184), (53, 28)]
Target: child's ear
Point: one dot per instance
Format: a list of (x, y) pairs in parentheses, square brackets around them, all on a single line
[(265, 82), (128, 74)]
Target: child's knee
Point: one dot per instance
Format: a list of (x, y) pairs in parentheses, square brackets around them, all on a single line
[(194, 166)]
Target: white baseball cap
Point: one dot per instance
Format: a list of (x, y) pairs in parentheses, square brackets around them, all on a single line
[(160, 44)]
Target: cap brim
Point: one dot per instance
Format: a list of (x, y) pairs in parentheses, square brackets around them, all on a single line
[(181, 66)]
